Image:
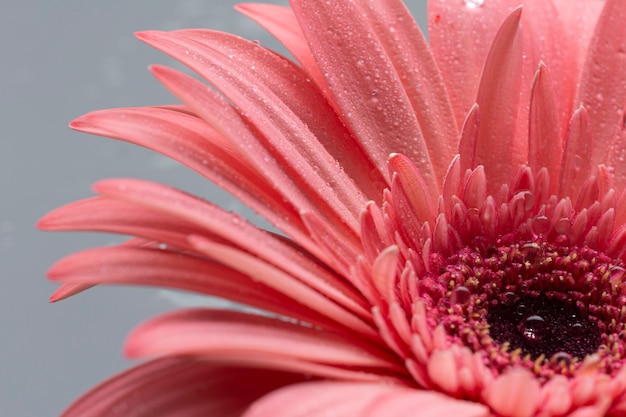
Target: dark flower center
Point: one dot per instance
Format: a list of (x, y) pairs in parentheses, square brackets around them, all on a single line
[(542, 326), (544, 306)]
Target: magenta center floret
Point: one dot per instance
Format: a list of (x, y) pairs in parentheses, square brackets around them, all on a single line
[(544, 306)]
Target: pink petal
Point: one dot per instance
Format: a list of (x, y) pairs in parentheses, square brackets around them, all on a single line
[(469, 139), (544, 44), (602, 89), (460, 38), (68, 290), (545, 146), (106, 215), (157, 267), (576, 165), (179, 387), (198, 215), (287, 116), (411, 56), (282, 282), (579, 18), (514, 394), (238, 336), (384, 273), (321, 399), (281, 22), (410, 190), (340, 253), (496, 148), (365, 74), (194, 143)]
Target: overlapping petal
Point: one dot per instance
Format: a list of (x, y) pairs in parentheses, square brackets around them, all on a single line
[(386, 163), (179, 387)]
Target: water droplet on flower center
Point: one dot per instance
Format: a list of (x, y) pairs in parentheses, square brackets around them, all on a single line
[(536, 304), (533, 328), (461, 295)]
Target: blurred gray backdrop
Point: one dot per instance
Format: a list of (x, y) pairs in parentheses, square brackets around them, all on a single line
[(59, 60)]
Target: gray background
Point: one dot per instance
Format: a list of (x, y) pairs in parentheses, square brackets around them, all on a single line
[(59, 60)]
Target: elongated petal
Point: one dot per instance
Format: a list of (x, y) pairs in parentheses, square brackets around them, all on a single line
[(282, 282), (366, 85), (579, 18), (106, 215), (286, 115), (602, 89), (281, 22), (545, 143), (497, 98), (412, 59), (460, 38), (185, 209), (179, 387), (162, 268), (194, 143), (318, 399), (228, 334), (576, 165)]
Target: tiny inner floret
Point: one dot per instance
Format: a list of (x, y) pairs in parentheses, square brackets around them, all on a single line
[(540, 305)]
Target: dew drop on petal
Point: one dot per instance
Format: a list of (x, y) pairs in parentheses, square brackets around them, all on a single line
[(473, 4), (541, 225), (460, 295), (562, 226)]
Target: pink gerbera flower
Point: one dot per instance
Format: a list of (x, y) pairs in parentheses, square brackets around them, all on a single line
[(453, 216)]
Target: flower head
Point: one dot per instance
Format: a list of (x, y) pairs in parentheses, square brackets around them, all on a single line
[(453, 215)]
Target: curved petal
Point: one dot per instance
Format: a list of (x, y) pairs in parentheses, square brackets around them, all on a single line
[(158, 267), (178, 387), (105, 215), (191, 141), (460, 37), (496, 147), (602, 88), (225, 334), (281, 22), (282, 282), (545, 143), (365, 76), (320, 399), (579, 18), (287, 116), (181, 209), (576, 167)]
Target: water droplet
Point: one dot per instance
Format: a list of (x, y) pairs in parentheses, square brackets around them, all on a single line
[(473, 4), (541, 225), (562, 226), (533, 328), (509, 299), (162, 246), (616, 274), (530, 251), (521, 309), (461, 295), (576, 331), (563, 358)]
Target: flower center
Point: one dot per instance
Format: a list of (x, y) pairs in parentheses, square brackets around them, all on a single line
[(544, 306)]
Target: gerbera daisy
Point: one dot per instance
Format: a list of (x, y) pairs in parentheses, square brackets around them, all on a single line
[(453, 216)]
